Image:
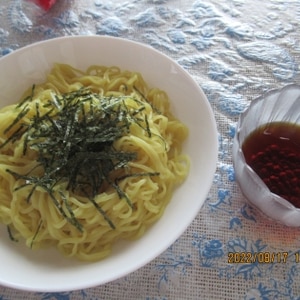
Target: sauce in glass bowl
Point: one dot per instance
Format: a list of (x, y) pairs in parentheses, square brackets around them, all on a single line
[(266, 154), (273, 152)]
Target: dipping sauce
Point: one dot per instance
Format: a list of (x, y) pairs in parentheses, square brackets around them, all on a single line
[(273, 152)]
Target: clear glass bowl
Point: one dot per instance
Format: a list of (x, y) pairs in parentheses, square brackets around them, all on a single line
[(275, 106)]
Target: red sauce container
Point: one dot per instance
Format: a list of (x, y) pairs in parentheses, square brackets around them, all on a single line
[(266, 154)]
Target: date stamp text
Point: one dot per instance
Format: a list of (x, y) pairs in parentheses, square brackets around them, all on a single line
[(260, 257)]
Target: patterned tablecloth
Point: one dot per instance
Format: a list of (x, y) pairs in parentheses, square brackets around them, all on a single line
[(236, 50)]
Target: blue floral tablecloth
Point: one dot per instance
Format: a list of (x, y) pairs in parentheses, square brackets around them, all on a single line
[(236, 50)]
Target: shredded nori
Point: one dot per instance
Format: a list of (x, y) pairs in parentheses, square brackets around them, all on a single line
[(74, 140)]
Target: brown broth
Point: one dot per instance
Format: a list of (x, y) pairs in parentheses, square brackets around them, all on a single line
[(273, 152)]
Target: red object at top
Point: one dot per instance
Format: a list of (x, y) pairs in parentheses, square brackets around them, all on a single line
[(45, 4)]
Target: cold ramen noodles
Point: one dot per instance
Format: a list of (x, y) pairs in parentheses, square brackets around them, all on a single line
[(87, 158)]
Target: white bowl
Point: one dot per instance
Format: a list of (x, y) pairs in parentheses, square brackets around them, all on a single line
[(47, 270), (281, 105)]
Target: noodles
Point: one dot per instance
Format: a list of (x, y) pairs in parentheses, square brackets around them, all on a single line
[(88, 158)]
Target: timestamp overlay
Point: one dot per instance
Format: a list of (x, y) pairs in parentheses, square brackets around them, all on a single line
[(262, 257)]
